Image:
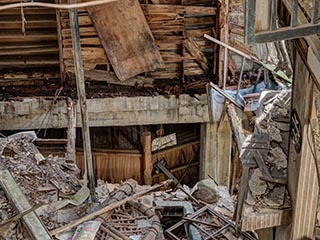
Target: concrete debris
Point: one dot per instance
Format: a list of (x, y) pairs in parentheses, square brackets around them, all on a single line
[(267, 183), (256, 185), (206, 190), (278, 158), (133, 211)]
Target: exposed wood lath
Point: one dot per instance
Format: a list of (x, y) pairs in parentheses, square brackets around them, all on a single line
[(28, 38), (170, 23)]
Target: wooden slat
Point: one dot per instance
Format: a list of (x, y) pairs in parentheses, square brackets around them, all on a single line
[(29, 51), (179, 9), (27, 38), (29, 25), (119, 22)]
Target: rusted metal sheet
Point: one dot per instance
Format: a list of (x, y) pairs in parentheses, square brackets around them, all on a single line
[(126, 38)]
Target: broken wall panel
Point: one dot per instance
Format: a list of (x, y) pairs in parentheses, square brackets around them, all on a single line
[(170, 23), (114, 166), (126, 38)]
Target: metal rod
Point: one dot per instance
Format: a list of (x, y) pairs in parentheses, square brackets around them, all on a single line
[(229, 47), (89, 172), (240, 78), (274, 14), (294, 13), (315, 13), (225, 68), (220, 91)]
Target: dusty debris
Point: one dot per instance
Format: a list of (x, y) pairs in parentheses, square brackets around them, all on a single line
[(206, 190), (272, 125), (124, 211), (257, 186)]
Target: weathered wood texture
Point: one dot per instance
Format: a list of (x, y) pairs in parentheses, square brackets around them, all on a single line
[(169, 21), (72, 125), (208, 152), (126, 38), (147, 159), (121, 111), (28, 38), (182, 161), (81, 92), (223, 164), (32, 222), (303, 182), (114, 167)]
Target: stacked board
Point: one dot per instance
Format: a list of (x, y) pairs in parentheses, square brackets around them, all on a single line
[(174, 24), (28, 37)]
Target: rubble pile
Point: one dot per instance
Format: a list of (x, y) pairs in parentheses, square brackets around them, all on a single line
[(51, 191), (268, 147)]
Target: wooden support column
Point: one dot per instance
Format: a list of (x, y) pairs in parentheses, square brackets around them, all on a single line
[(72, 121), (89, 172), (147, 161), (224, 37), (208, 150), (302, 174), (223, 167)]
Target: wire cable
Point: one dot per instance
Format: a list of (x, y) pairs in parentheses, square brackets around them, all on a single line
[(56, 6)]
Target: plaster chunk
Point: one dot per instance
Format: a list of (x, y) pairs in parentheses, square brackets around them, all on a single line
[(278, 158), (257, 186), (276, 197)]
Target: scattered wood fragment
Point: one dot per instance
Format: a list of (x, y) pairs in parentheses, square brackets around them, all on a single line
[(108, 208), (110, 77)]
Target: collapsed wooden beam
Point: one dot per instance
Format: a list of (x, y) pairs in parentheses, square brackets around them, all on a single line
[(31, 221)]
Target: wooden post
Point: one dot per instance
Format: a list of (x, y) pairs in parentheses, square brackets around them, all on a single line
[(208, 150), (224, 37), (72, 121), (73, 14), (223, 163), (147, 161)]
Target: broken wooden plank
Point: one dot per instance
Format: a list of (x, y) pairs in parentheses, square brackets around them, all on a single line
[(126, 38), (72, 129), (110, 77), (196, 52), (32, 222), (147, 161)]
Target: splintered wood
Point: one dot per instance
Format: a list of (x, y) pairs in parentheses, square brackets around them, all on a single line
[(126, 38), (170, 22)]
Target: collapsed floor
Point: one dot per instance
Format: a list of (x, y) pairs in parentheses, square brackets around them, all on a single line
[(51, 188)]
